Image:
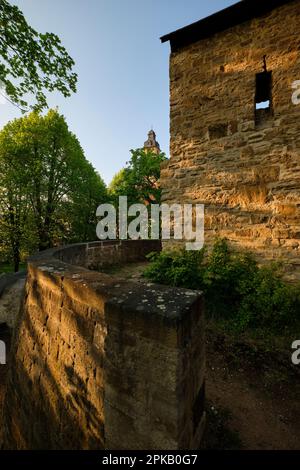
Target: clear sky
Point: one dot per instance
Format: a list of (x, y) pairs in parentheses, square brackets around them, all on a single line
[(123, 69)]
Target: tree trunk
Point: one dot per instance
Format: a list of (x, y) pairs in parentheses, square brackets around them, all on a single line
[(16, 260)]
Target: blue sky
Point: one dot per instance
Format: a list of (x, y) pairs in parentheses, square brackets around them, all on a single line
[(123, 87)]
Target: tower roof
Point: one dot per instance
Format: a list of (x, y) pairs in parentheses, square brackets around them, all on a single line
[(235, 14)]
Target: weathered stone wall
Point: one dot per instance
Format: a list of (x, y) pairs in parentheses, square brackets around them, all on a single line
[(98, 362), (247, 176)]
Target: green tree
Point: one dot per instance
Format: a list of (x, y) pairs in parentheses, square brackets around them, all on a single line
[(31, 62), (139, 180), (116, 184), (89, 192), (46, 183), (14, 206)]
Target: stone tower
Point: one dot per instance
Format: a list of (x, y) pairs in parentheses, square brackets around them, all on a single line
[(151, 145), (235, 129)]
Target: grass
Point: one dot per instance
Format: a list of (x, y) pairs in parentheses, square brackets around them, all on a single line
[(8, 268)]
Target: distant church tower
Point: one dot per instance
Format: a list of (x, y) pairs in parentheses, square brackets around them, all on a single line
[(151, 145)]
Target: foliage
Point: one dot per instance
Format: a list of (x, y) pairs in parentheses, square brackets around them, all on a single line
[(88, 191), (176, 268), (228, 278), (271, 301), (32, 62), (139, 180), (236, 288), (118, 184), (48, 190), (6, 268)]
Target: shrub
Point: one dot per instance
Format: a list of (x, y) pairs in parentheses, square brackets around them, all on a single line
[(271, 303), (228, 277), (236, 288), (176, 268)]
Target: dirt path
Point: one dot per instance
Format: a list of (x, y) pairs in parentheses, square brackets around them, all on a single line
[(261, 399)]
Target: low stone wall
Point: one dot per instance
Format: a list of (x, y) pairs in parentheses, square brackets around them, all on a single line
[(98, 362)]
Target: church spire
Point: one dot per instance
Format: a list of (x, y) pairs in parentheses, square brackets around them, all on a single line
[(151, 145)]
